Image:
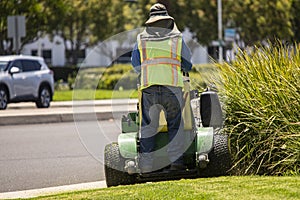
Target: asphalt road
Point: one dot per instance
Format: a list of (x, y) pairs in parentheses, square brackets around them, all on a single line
[(46, 155)]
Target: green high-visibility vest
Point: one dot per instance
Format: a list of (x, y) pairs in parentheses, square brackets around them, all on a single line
[(161, 61)]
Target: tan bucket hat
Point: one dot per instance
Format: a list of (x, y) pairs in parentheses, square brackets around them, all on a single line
[(158, 12)]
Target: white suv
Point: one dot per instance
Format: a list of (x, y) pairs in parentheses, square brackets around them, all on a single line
[(25, 78)]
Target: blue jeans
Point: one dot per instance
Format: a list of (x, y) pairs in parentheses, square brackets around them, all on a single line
[(154, 99)]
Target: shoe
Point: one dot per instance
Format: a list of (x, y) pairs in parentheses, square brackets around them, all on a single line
[(176, 167)]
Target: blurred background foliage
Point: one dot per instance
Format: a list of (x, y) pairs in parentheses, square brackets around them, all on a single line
[(86, 22), (123, 77)]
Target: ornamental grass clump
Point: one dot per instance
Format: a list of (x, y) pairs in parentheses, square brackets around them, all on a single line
[(261, 90)]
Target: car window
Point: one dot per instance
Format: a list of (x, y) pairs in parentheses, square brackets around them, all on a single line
[(37, 65), (3, 65), (30, 65), (18, 64)]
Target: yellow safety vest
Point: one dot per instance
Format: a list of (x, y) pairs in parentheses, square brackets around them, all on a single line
[(160, 61)]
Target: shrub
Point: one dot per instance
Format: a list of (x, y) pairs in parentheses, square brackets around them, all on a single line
[(62, 73), (118, 76), (122, 76), (114, 77), (262, 103), (87, 78), (61, 85), (201, 75)]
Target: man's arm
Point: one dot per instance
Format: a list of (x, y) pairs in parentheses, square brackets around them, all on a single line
[(186, 55), (136, 59)]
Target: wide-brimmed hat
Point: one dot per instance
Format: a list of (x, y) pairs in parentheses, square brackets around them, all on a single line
[(158, 12)]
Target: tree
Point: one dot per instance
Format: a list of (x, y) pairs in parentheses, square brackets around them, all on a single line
[(201, 19), (256, 20), (36, 20), (260, 20), (85, 23), (82, 23), (200, 16), (108, 22), (100, 25), (74, 27), (5, 7)]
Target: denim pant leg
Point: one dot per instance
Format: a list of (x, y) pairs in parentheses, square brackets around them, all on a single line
[(150, 116), (172, 102)]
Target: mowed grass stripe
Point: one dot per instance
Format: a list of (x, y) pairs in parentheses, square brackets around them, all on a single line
[(231, 187)]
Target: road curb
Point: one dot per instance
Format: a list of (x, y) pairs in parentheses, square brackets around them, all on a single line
[(59, 112), (53, 190), (58, 118), (68, 104)]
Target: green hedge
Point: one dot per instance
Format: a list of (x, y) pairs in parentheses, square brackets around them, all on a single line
[(261, 89), (122, 76), (202, 76), (63, 73), (119, 76)]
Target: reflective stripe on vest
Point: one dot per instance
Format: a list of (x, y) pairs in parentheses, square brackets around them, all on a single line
[(161, 62)]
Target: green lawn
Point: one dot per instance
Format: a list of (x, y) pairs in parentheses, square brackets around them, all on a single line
[(69, 95), (248, 187)]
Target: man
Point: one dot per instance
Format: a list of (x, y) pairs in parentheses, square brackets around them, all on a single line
[(160, 56)]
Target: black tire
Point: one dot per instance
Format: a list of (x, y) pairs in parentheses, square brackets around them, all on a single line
[(44, 98), (219, 158), (3, 98), (114, 167)]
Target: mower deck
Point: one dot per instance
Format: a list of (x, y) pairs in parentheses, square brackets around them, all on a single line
[(168, 175)]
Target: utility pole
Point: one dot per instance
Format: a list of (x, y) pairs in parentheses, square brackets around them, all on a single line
[(220, 38)]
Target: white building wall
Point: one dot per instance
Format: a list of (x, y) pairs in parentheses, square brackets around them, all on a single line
[(94, 58), (56, 47)]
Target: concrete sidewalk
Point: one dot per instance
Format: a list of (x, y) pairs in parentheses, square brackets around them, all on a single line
[(52, 190), (69, 111)]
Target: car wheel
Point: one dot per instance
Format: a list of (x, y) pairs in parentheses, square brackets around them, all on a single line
[(44, 98), (3, 98)]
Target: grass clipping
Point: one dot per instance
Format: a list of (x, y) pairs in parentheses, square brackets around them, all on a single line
[(261, 90)]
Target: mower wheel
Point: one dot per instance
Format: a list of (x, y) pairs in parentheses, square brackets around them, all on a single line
[(219, 158), (114, 167)]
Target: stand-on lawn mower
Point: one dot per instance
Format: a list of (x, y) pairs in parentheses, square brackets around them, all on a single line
[(206, 155)]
